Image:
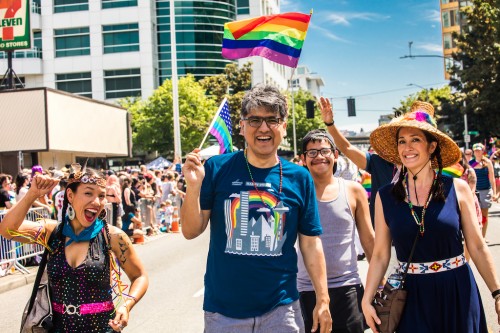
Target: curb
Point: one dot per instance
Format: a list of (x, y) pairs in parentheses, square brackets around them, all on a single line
[(17, 280)]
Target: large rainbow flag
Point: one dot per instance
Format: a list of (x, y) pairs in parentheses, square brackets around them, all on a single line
[(278, 38)]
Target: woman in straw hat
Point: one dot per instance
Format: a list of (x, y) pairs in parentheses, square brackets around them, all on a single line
[(434, 210)]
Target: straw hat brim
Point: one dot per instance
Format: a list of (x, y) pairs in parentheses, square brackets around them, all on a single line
[(383, 140)]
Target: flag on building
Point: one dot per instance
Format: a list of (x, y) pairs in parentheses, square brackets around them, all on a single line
[(278, 38), (222, 129)]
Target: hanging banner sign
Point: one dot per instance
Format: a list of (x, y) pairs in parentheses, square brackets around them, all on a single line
[(15, 30)]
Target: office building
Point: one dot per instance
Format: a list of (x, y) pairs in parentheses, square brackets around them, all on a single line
[(452, 21), (111, 49)]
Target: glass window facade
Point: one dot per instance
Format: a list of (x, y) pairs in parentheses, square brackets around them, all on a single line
[(122, 83), (199, 30), (450, 18), (243, 7), (120, 38), (63, 6), (76, 83), (448, 42), (118, 3), (72, 42)]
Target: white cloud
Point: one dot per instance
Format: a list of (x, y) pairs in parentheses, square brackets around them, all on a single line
[(434, 16), (345, 18), (436, 48), (327, 33)]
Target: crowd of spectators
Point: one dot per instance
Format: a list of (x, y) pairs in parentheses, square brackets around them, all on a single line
[(142, 201)]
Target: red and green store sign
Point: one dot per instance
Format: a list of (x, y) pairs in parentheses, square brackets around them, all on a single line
[(15, 30)]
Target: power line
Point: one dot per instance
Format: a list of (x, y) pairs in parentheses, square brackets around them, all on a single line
[(387, 91)]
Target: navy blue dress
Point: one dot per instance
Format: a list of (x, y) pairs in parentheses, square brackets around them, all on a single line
[(446, 301)]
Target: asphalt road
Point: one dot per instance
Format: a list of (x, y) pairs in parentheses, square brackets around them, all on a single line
[(174, 299)]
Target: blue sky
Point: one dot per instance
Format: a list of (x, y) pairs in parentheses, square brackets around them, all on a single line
[(355, 46)]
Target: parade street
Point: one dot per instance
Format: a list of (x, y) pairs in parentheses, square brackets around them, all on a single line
[(174, 299)]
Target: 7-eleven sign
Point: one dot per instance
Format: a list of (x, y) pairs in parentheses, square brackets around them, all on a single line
[(15, 31)]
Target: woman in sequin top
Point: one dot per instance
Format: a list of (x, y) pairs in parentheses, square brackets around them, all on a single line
[(81, 254)]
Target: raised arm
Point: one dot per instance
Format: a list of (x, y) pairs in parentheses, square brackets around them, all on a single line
[(357, 156), (193, 220), (15, 221)]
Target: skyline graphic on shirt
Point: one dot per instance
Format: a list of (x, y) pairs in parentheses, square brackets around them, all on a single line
[(252, 227)]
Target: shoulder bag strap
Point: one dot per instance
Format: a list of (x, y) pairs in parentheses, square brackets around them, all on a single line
[(41, 268), (409, 259)]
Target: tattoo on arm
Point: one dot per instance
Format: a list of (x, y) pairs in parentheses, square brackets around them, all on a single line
[(123, 245)]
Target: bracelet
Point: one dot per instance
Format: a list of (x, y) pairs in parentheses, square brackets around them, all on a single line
[(497, 297), (329, 124), (495, 293)]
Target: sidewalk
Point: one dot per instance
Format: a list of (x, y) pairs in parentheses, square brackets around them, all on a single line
[(18, 279)]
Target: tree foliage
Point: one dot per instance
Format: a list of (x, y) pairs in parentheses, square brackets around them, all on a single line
[(231, 84), (302, 123), (152, 119), (478, 82)]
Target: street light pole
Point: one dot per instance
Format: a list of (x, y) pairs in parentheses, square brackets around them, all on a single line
[(411, 56)]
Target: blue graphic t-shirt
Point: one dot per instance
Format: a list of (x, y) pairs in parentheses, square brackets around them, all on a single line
[(252, 262)]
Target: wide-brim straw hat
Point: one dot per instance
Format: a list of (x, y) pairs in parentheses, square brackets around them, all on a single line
[(421, 116)]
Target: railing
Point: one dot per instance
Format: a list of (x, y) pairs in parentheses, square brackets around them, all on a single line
[(15, 254)]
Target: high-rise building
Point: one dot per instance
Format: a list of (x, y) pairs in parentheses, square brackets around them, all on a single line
[(110, 49), (452, 21)]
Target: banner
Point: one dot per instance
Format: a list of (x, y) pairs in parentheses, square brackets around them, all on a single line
[(15, 30)]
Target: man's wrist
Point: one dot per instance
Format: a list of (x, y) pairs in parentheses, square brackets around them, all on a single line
[(329, 124)]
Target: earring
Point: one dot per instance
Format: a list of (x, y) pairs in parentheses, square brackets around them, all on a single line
[(70, 212), (102, 215)]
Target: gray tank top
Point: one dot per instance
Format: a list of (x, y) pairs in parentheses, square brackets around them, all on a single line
[(338, 244)]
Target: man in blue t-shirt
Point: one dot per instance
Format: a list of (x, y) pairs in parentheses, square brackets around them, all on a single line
[(382, 172), (258, 205)]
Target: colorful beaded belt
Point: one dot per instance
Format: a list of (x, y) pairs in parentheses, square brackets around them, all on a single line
[(83, 309), (434, 266)]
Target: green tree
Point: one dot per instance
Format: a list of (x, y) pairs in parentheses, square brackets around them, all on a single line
[(302, 123), (152, 119), (479, 79), (231, 84)]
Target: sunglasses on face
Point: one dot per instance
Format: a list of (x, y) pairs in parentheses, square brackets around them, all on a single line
[(256, 122), (312, 153)]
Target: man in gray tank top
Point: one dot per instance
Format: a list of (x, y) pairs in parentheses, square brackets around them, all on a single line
[(343, 208)]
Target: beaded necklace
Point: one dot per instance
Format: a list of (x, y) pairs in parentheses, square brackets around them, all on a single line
[(419, 221), (255, 184)]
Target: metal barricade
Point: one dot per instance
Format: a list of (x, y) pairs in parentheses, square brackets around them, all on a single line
[(16, 254)]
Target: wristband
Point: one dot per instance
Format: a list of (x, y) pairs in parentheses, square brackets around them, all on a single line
[(329, 124), (495, 293)]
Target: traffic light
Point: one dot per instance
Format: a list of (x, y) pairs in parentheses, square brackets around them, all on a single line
[(351, 107), (310, 108)]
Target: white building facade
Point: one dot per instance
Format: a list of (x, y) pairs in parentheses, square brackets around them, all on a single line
[(111, 49)]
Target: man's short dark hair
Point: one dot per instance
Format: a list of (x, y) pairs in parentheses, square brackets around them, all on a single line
[(315, 136), (265, 96)]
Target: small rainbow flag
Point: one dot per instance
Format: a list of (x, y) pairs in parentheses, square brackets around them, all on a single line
[(454, 171), (366, 182), (221, 128), (278, 38)]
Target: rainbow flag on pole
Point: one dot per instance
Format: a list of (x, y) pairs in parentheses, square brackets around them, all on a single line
[(222, 129), (278, 38)]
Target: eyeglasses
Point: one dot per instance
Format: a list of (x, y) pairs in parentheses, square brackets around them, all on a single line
[(271, 122), (468, 154), (312, 153)]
